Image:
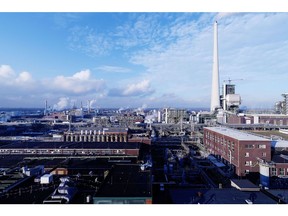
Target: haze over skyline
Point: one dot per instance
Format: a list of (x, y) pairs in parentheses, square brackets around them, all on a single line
[(140, 59)]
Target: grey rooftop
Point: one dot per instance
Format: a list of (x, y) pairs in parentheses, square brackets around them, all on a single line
[(236, 134)]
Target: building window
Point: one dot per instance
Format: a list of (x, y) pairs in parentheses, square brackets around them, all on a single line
[(247, 171), (273, 171), (248, 163), (281, 171), (249, 146), (262, 146), (247, 154), (264, 154)]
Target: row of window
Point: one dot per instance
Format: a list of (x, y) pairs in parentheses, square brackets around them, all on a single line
[(217, 148), (281, 171), (264, 154), (251, 146), (225, 142), (218, 139)]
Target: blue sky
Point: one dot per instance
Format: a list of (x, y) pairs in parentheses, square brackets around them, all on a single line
[(140, 59)]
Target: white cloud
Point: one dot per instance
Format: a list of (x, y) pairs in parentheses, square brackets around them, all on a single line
[(138, 88), (6, 72), (11, 79), (222, 15), (113, 69), (142, 88), (141, 30), (80, 83), (82, 75), (24, 77), (30, 92), (86, 40), (17, 88)]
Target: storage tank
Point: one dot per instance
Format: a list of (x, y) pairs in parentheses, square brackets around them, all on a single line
[(264, 175)]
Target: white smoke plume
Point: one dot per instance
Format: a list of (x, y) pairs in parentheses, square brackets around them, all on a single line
[(92, 102), (63, 103)]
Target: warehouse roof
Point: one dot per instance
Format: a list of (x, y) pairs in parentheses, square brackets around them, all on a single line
[(236, 134)]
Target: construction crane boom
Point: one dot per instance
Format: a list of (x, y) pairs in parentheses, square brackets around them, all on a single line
[(229, 80)]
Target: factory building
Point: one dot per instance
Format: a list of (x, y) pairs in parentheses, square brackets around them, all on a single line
[(230, 101), (247, 153), (238, 149), (272, 119), (281, 107), (97, 135), (175, 116)]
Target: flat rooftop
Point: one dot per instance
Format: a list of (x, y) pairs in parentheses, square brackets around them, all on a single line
[(267, 115), (99, 130), (236, 134)]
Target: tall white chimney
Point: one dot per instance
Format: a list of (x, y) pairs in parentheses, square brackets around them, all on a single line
[(215, 96), (166, 115)]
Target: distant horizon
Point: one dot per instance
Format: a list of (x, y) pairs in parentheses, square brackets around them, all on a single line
[(126, 108)]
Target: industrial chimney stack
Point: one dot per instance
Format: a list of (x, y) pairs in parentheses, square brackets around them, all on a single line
[(215, 96)]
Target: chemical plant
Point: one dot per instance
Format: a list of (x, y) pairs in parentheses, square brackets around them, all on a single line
[(146, 156)]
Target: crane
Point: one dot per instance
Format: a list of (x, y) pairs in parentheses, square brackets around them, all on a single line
[(229, 80)]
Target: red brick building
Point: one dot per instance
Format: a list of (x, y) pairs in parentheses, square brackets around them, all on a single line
[(274, 119), (237, 148)]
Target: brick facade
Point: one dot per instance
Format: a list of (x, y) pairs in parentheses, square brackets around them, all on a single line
[(242, 153)]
